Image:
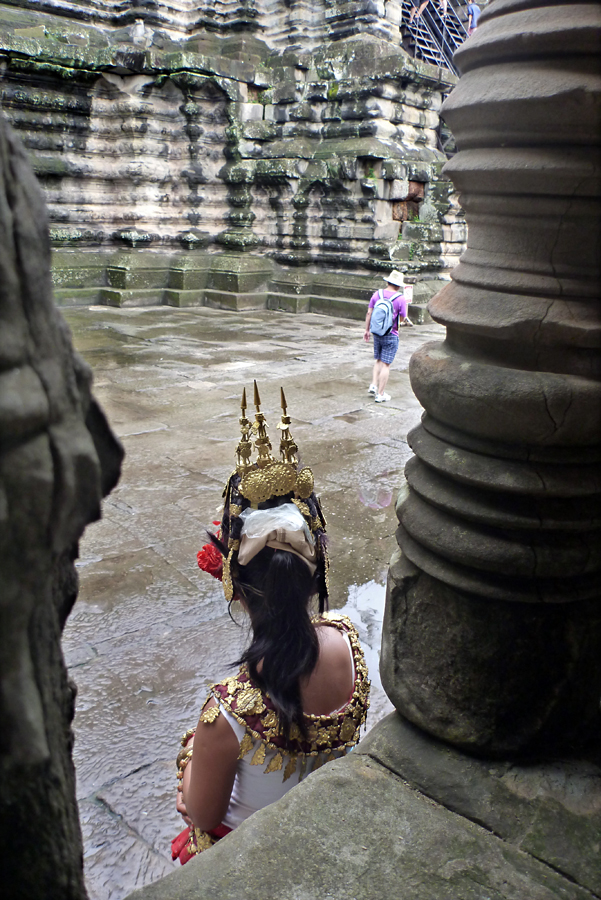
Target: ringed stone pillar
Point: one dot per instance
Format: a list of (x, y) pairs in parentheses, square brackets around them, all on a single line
[(493, 623)]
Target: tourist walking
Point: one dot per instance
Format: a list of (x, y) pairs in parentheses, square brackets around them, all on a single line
[(301, 694), (387, 309), (416, 12), (473, 14)]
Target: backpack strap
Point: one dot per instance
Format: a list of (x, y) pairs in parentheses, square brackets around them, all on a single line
[(391, 301)]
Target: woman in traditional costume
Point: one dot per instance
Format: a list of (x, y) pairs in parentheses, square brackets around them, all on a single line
[(302, 692)]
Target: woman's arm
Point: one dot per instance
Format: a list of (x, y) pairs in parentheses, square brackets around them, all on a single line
[(209, 777), (367, 321)]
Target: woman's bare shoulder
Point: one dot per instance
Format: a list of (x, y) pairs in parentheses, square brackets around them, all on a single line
[(331, 682), (333, 646)]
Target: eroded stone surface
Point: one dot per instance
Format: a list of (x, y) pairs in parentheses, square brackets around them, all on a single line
[(548, 808), (305, 136), (58, 458)]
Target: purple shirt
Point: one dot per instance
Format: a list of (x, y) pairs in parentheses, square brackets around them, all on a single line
[(474, 11), (399, 307)]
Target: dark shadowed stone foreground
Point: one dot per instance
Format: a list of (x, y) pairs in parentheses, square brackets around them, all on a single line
[(363, 828)]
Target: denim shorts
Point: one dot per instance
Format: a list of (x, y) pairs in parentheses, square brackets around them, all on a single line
[(385, 347)]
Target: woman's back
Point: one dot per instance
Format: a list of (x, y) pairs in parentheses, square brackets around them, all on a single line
[(267, 765)]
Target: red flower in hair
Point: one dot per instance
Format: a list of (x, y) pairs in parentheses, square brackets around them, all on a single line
[(210, 559)]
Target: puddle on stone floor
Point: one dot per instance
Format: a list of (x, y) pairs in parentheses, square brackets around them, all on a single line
[(365, 609), (374, 496)]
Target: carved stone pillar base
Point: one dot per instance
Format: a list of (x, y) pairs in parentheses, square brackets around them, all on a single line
[(493, 627), (492, 677)]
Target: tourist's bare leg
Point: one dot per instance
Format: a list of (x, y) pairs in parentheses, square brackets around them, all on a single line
[(376, 372), (383, 377), (417, 14)]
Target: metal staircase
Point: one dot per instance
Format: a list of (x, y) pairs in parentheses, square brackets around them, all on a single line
[(433, 37)]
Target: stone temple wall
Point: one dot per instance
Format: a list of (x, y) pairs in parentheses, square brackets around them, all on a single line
[(236, 154)]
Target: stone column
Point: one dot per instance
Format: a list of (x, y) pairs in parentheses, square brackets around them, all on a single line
[(493, 623), (58, 458)]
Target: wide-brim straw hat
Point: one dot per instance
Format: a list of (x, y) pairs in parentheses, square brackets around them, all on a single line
[(395, 277)]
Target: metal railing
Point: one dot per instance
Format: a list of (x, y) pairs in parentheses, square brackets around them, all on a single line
[(434, 34)]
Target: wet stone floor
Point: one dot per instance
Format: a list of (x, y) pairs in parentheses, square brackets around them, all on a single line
[(150, 631)]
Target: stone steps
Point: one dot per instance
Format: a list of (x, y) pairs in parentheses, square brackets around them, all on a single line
[(237, 282)]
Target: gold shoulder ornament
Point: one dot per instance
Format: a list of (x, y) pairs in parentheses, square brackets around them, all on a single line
[(329, 737)]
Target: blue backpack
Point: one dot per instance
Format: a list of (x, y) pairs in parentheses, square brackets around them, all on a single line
[(382, 317)]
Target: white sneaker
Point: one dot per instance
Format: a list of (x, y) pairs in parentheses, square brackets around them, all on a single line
[(372, 389), (382, 398)]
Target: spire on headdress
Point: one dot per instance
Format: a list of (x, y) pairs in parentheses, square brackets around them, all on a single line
[(288, 449), (244, 449), (262, 442), (267, 477)]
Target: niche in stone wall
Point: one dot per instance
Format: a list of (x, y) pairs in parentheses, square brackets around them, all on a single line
[(272, 206), (406, 209)]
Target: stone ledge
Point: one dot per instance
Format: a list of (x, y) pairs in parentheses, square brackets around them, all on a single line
[(357, 829), (235, 301), (550, 809)]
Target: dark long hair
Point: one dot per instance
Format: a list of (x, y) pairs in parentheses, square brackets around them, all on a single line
[(277, 588)]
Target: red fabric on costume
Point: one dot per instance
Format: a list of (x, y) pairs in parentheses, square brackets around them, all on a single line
[(179, 845)]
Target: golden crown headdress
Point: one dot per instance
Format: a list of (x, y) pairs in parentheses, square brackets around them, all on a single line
[(268, 477)]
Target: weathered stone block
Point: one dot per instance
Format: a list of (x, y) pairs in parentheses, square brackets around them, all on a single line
[(455, 233), (425, 618), (183, 298), (419, 315), (85, 296), (388, 232), (421, 232), (394, 169), (362, 232), (288, 302), (548, 809), (138, 297), (408, 810), (287, 92), (138, 273), (399, 190), (248, 112), (191, 276), (234, 301), (423, 291), (239, 274)]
